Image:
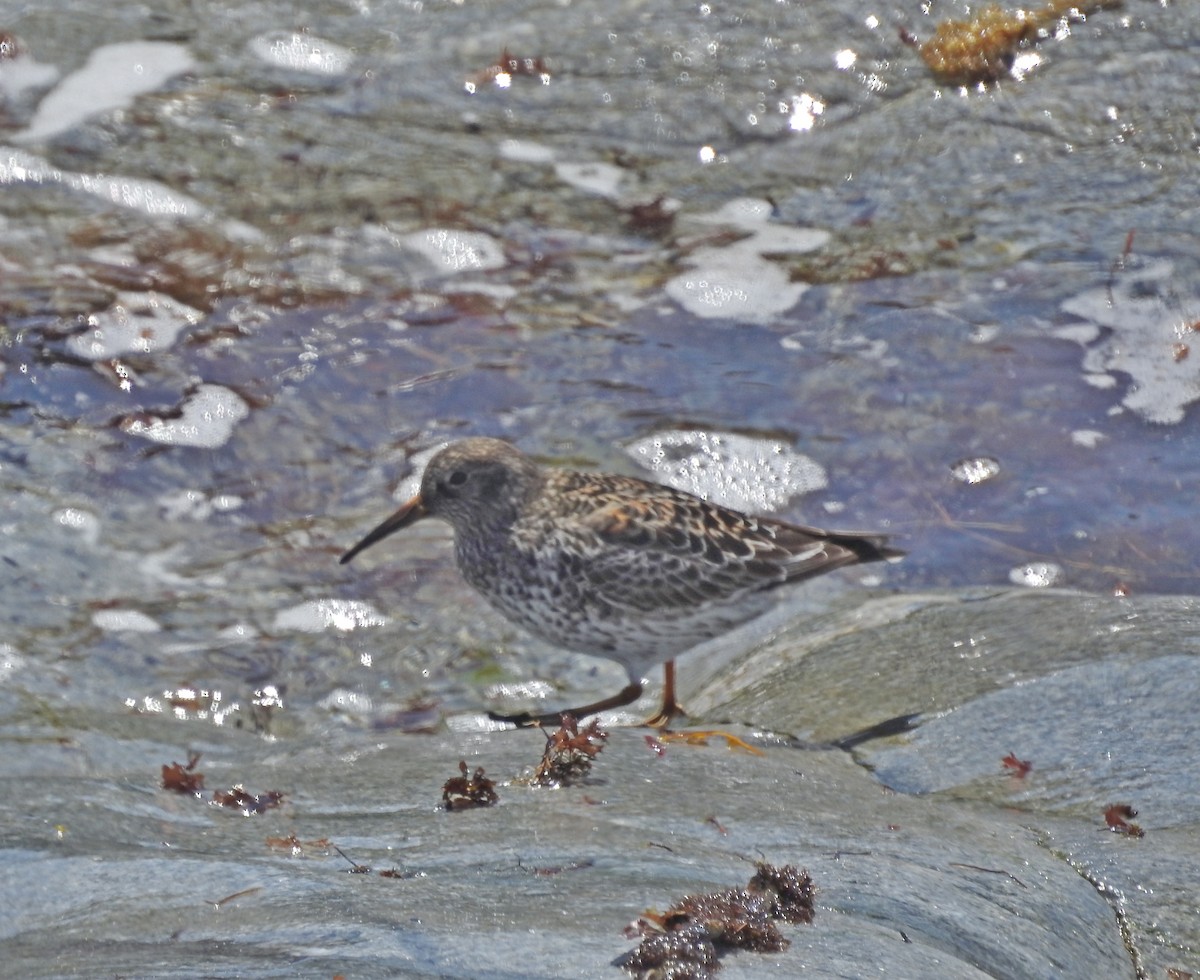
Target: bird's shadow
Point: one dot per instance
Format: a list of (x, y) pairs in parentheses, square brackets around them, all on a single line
[(898, 725)]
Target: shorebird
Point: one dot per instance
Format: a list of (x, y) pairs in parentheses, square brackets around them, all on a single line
[(612, 566)]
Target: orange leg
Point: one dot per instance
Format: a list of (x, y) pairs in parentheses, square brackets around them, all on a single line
[(671, 708)]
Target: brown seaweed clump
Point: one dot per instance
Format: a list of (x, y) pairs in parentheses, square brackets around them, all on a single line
[(250, 804), (467, 791), (569, 752), (1118, 817), (980, 50), (686, 942), (684, 953), (504, 69), (183, 777), (10, 46)]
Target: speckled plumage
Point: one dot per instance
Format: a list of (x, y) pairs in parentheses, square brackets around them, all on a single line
[(612, 565)]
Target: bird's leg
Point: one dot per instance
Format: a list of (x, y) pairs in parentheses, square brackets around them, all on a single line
[(524, 719), (670, 707)]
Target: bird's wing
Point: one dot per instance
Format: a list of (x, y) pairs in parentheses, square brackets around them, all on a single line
[(651, 547)]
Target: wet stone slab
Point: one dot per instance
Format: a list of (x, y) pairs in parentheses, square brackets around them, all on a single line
[(542, 883), (256, 261), (1048, 710)]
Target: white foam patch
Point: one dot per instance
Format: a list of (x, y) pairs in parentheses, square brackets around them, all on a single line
[(749, 474), (450, 251), (140, 323), (11, 662), (1037, 574), (737, 281), (147, 196), (124, 621), (1102, 381), (525, 151), (975, 469), (238, 632), (301, 52), (318, 615), (21, 73), (84, 522), (602, 179), (343, 701), (1087, 438), (206, 418), (1152, 339), (196, 505), (111, 79)]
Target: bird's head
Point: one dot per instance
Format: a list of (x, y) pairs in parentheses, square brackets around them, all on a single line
[(471, 483)]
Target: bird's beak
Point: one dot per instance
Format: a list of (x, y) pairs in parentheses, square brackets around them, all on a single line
[(411, 512)]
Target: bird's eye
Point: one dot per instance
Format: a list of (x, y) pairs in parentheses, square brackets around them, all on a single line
[(457, 478)]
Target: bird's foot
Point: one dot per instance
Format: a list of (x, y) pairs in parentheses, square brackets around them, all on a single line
[(668, 712)]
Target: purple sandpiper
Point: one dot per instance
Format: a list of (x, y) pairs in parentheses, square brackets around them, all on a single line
[(612, 566)]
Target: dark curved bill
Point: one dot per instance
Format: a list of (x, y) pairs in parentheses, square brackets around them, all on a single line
[(412, 511)]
